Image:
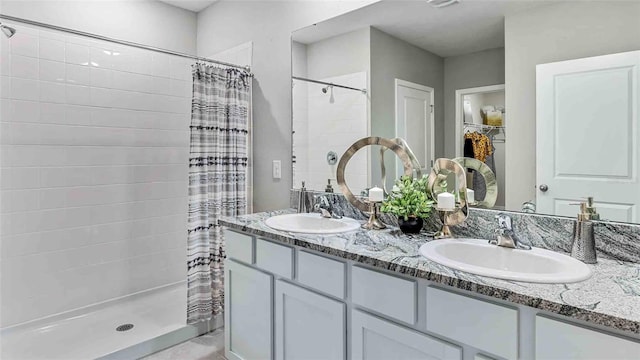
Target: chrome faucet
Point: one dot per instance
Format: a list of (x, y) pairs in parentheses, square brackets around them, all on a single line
[(324, 207), (506, 235)]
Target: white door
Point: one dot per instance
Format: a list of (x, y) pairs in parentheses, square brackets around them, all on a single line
[(375, 339), (414, 121), (308, 325), (248, 312), (588, 129)]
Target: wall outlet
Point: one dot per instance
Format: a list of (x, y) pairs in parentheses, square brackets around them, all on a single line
[(277, 169)]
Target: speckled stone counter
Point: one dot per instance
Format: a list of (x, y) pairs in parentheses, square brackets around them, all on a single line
[(611, 297)]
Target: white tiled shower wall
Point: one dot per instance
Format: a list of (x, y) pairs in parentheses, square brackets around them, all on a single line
[(321, 126), (93, 172)]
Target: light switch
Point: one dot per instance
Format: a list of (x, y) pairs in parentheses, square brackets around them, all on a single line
[(277, 169)]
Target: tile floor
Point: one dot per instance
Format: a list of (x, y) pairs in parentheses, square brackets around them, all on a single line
[(205, 347)]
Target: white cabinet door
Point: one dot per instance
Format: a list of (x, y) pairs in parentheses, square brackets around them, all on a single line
[(588, 132), (556, 340), (373, 338), (308, 326), (248, 313)]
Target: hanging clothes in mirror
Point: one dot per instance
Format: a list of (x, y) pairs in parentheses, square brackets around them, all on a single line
[(480, 147), (481, 144)]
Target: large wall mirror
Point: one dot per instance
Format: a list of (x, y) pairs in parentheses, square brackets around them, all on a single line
[(543, 92)]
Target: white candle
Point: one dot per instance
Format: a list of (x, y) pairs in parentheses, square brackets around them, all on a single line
[(471, 196), (446, 201), (376, 194)]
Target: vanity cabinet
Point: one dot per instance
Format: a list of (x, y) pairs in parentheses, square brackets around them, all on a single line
[(375, 339), (308, 325), (288, 303)]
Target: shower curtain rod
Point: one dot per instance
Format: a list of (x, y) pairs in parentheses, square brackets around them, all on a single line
[(364, 91), (120, 42)]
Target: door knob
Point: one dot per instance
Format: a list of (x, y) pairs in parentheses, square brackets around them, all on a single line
[(544, 188)]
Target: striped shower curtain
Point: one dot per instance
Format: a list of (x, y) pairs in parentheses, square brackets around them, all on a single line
[(218, 162)]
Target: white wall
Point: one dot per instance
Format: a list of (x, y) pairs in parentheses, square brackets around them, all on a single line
[(268, 25), (147, 22), (93, 168), (546, 34), (339, 55)]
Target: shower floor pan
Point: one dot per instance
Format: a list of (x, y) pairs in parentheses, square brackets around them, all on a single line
[(104, 331)]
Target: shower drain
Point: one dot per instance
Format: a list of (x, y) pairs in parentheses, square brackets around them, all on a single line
[(124, 327)]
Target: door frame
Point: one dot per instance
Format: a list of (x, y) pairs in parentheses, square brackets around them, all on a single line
[(430, 90), (460, 93)]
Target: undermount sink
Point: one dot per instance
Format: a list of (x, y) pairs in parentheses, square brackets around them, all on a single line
[(479, 257), (312, 223)]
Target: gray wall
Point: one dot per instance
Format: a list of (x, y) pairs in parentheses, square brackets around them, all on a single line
[(466, 71), (143, 21), (553, 33), (339, 55), (268, 24), (393, 58)]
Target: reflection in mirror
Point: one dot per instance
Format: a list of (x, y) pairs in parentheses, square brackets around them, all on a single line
[(330, 108), (433, 82), (480, 134), (325, 118)]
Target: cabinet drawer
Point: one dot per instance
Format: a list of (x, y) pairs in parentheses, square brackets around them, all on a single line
[(373, 338), (321, 273), (386, 294), (559, 340), (238, 246), (274, 258), (483, 325)]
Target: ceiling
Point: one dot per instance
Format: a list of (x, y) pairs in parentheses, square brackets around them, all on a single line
[(192, 5), (466, 27)]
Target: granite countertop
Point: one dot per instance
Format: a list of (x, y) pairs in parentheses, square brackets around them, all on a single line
[(611, 297)]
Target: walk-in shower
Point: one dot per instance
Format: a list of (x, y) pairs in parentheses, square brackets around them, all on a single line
[(94, 194), (326, 112)]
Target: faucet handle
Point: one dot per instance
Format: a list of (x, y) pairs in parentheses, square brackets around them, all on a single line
[(504, 221)]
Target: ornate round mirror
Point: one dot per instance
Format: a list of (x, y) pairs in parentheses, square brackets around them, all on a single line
[(368, 141), (489, 178)]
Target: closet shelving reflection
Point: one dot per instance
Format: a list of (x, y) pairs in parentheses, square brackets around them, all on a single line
[(497, 133)]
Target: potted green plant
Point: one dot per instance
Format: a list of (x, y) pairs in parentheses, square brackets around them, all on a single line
[(409, 202)]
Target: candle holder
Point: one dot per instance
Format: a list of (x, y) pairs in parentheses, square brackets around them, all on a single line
[(445, 232), (373, 223)]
